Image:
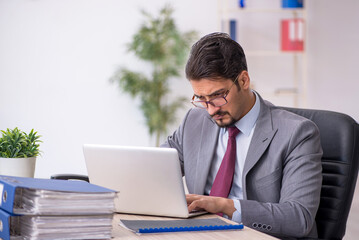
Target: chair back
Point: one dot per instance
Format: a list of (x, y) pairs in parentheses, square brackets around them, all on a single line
[(339, 135)]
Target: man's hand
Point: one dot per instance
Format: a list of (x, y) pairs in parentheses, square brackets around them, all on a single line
[(210, 204)]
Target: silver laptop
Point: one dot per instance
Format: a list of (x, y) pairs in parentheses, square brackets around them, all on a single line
[(148, 179)]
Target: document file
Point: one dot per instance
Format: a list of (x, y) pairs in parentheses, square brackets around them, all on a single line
[(33, 208), (54, 227), (54, 197)]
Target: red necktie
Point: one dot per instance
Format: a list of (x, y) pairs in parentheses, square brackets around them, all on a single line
[(223, 182)]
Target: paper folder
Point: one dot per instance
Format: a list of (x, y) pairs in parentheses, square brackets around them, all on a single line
[(54, 227), (5, 222), (21, 195), (183, 225)]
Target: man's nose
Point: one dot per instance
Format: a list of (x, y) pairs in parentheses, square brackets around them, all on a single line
[(212, 109)]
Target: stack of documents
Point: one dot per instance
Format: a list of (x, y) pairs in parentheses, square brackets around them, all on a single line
[(33, 208)]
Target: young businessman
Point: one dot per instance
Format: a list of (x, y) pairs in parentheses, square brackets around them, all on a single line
[(242, 156)]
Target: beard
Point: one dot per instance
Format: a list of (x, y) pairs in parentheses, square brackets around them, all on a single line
[(224, 122)]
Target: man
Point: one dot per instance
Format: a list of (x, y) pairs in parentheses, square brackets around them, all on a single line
[(268, 174)]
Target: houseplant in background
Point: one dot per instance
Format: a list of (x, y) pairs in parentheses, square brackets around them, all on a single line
[(160, 43), (18, 152)]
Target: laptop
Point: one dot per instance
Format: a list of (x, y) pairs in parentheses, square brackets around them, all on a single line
[(148, 179)]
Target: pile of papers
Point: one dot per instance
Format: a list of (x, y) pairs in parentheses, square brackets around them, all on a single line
[(54, 209), (46, 202), (63, 227)]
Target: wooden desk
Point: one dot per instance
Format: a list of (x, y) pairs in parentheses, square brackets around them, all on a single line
[(246, 233)]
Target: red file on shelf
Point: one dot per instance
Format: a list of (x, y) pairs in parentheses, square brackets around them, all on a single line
[(292, 34)]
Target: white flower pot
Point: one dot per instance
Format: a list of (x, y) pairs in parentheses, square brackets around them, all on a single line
[(20, 167)]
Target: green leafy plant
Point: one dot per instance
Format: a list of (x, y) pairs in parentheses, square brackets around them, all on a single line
[(160, 43), (18, 144)]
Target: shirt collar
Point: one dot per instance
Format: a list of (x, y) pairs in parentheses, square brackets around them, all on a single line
[(246, 123)]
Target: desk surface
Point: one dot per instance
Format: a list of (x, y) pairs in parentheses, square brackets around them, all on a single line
[(246, 233)]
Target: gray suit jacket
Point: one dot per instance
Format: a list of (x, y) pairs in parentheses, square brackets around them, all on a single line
[(282, 171)]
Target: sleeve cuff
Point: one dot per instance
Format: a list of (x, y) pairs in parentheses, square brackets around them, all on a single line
[(237, 215)]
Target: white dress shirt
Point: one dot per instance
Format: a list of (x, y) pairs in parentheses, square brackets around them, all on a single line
[(246, 125)]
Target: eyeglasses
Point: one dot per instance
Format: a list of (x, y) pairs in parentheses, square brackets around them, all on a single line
[(215, 102)]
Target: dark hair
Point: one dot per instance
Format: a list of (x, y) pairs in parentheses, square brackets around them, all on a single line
[(215, 56)]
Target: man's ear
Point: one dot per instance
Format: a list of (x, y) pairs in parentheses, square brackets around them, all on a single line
[(244, 80)]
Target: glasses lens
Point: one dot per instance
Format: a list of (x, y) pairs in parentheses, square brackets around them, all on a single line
[(199, 104), (220, 101), (216, 102)]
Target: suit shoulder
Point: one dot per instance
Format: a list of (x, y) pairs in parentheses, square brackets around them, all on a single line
[(285, 118), (195, 117), (195, 113)]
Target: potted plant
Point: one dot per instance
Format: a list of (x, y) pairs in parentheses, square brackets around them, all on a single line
[(160, 43), (18, 152)]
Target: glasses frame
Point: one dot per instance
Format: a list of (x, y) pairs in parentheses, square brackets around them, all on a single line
[(210, 101)]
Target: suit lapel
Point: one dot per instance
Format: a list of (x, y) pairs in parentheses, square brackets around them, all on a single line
[(209, 136), (262, 137), (259, 144)]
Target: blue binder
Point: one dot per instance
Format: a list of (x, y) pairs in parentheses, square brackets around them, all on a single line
[(233, 29), (292, 3), (9, 184), (5, 222), (54, 227), (183, 225)]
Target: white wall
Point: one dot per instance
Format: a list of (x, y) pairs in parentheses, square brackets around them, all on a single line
[(56, 57), (333, 51)]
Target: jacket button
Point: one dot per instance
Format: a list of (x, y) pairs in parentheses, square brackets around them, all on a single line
[(254, 225), (264, 226), (269, 227)]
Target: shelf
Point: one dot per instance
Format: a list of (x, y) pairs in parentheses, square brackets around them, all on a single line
[(273, 53), (260, 26), (266, 10), (286, 91)]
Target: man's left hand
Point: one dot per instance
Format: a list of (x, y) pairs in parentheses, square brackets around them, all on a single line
[(210, 204)]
